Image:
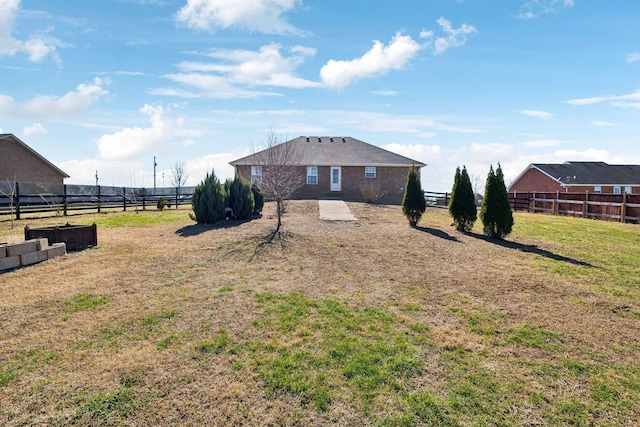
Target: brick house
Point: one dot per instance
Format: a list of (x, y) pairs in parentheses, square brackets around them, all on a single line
[(337, 167), (20, 163), (578, 177)]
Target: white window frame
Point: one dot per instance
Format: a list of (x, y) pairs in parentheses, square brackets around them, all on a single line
[(369, 171), (312, 175), (597, 189), (617, 190), (256, 174), (628, 190)]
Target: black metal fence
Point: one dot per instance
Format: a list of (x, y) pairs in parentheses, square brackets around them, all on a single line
[(20, 198)]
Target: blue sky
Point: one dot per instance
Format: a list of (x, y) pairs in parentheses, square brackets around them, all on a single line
[(107, 85)]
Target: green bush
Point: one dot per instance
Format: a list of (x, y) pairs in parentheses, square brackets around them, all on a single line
[(495, 213), (462, 206), (240, 197), (258, 198), (413, 201), (209, 200), (161, 203)]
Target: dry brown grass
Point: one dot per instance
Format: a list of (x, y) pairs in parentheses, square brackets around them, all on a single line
[(134, 360)]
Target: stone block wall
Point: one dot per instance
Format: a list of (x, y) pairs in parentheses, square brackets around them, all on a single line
[(14, 255)]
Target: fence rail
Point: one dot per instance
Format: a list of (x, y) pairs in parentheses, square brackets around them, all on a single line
[(610, 207), (18, 199)]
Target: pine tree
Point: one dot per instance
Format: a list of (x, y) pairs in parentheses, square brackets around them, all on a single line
[(413, 201), (209, 200), (462, 206), (240, 197), (496, 215), (258, 198)]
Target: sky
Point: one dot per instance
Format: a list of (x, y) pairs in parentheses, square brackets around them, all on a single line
[(103, 87)]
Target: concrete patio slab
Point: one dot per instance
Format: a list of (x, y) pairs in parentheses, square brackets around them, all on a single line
[(335, 210)]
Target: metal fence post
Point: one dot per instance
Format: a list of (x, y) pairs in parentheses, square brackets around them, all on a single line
[(124, 198)]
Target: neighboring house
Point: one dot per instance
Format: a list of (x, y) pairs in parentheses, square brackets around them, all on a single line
[(20, 163), (338, 167), (592, 177)]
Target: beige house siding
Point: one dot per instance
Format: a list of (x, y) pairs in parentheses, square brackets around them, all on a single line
[(20, 164)]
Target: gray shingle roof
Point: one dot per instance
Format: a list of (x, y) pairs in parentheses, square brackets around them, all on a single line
[(336, 151), (591, 173)]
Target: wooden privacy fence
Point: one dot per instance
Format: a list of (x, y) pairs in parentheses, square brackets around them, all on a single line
[(610, 207), (19, 198)]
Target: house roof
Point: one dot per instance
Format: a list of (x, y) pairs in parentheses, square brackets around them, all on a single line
[(4, 136), (589, 173), (335, 151)]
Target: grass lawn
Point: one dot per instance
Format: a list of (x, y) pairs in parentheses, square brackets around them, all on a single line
[(364, 323)]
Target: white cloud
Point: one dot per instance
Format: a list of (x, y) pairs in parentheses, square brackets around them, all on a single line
[(235, 70), (129, 142), (377, 61), (453, 37), (531, 9), (615, 100), (264, 16), (38, 46), (604, 124), (384, 92), (536, 143), (33, 129), (71, 104), (633, 57), (538, 114)]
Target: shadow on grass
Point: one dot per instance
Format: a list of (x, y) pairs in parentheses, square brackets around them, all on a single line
[(438, 233), (529, 249), (196, 229)]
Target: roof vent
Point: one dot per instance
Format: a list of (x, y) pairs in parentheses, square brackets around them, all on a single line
[(331, 139), (343, 140), (319, 139), (307, 139)]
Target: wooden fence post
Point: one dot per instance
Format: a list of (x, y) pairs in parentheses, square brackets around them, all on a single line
[(144, 199), (177, 195), (99, 199), (17, 200), (124, 198), (556, 202), (64, 199), (585, 205), (623, 208)]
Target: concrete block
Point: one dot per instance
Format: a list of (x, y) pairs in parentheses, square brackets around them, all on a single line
[(33, 257), (42, 243), (9, 262), (56, 249), (17, 249), (3, 251)]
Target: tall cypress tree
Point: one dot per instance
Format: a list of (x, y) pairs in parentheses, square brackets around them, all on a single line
[(496, 215), (462, 206), (413, 201)]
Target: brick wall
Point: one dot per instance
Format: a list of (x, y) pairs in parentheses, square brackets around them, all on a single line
[(390, 180), (534, 180), (21, 165)]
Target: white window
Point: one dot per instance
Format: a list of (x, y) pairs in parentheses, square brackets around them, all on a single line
[(597, 189), (616, 190), (370, 172), (312, 174), (627, 190), (256, 174)]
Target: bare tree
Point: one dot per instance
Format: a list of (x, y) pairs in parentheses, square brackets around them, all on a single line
[(281, 175), (10, 192), (178, 177), (477, 183)]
